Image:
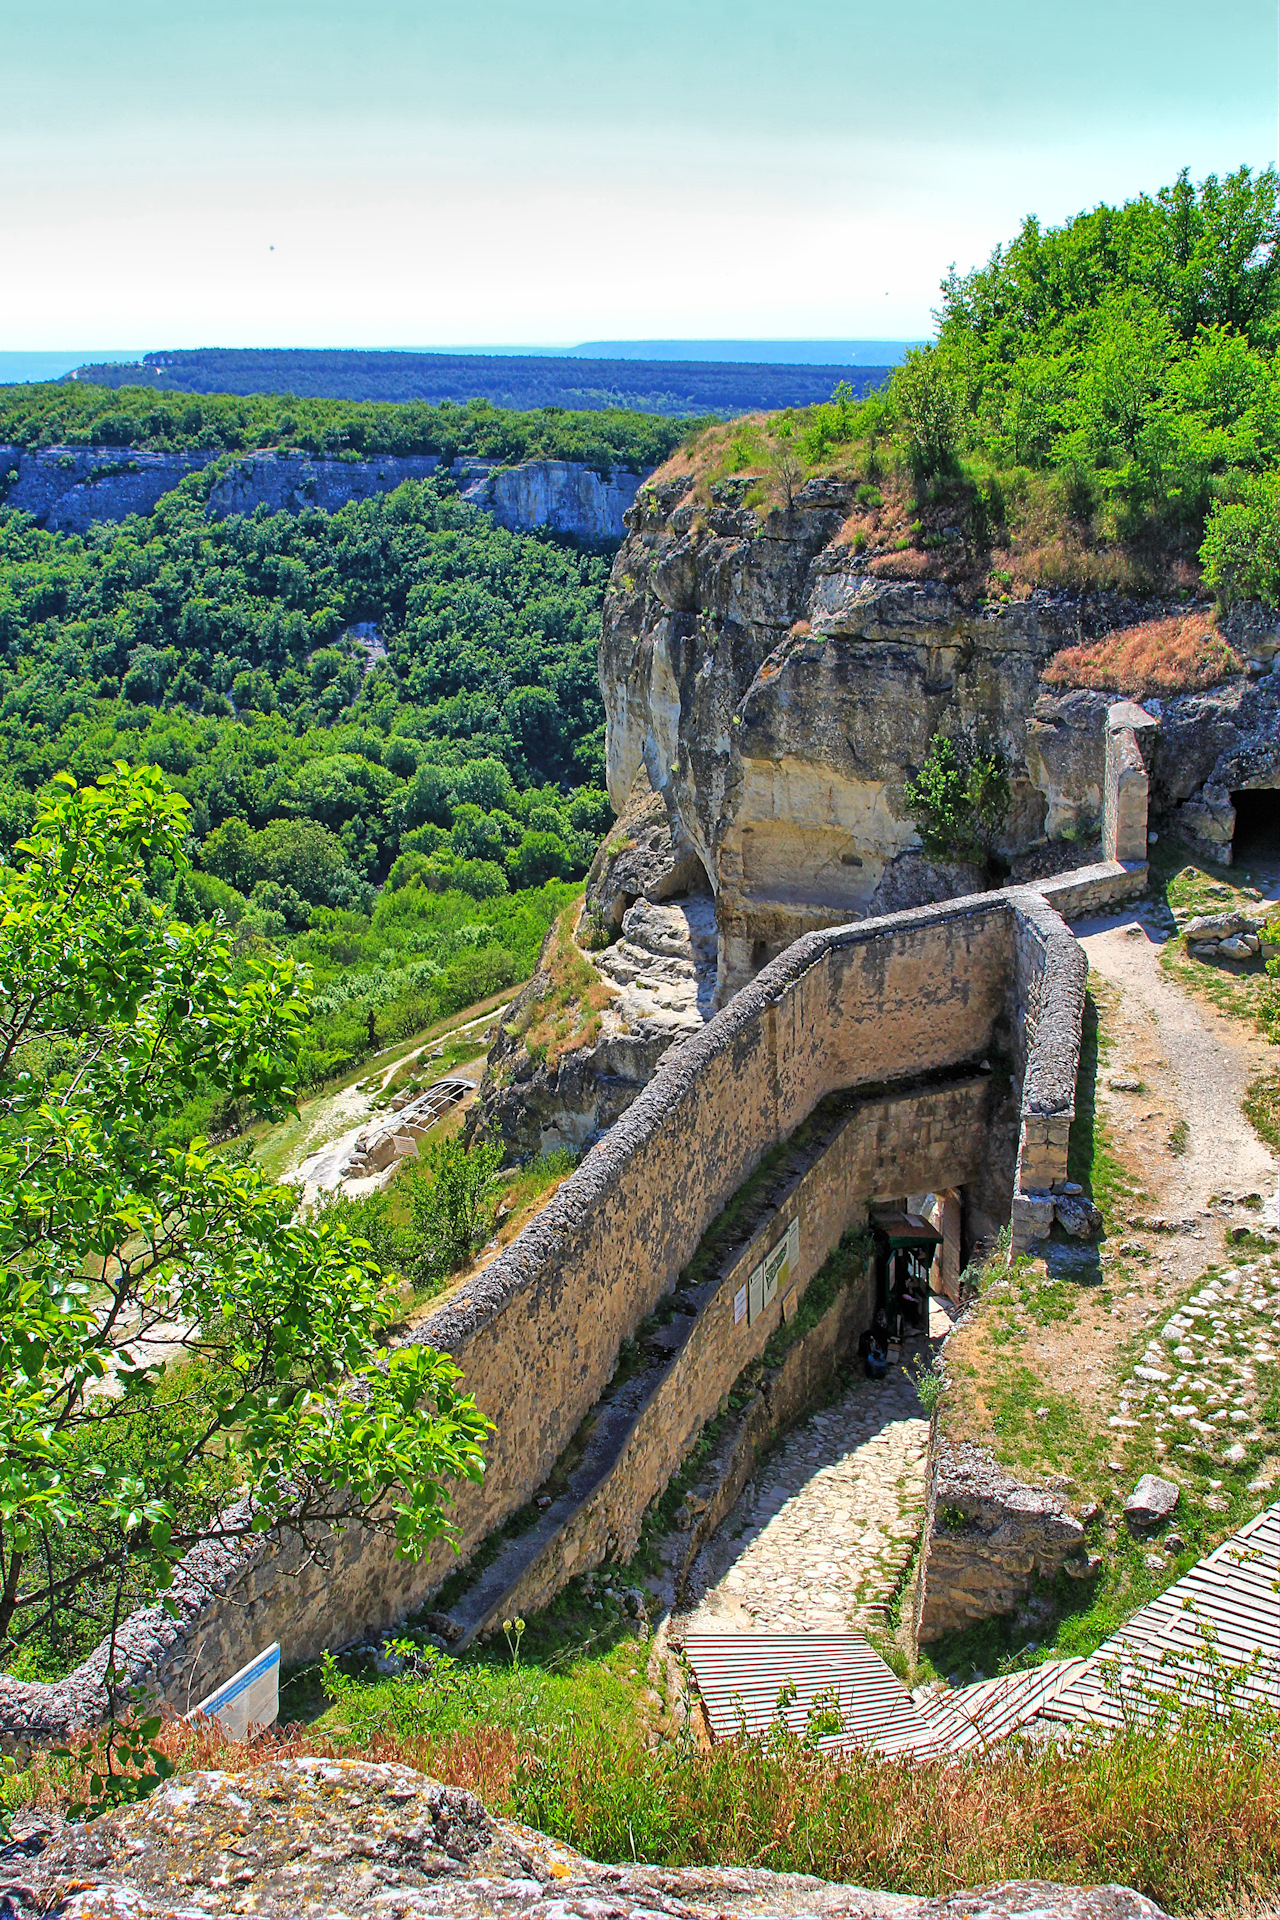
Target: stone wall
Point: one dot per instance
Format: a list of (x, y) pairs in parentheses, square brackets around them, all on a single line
[(988, 1539), (537, 1333), (908, 1140), (68, 488)]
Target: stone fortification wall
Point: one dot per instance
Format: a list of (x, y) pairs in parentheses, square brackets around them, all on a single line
[(537, 1333), (909, 1140), (68, 488)]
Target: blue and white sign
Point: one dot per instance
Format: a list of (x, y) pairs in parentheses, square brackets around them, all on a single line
[(250, 1698)]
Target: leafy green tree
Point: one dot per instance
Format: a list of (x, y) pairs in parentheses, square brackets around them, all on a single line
[(1241, 548), (172, 1292), (926, 391), (541, 856), (960, 801), (475, 835), (452, 1201)]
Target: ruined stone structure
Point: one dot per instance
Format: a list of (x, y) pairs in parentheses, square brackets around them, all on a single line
[(988, 1538), (929, 1025), (68, 488)]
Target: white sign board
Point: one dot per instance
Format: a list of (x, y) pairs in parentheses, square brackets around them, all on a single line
[(250, 1698), (755, 1294), (739, 1305)]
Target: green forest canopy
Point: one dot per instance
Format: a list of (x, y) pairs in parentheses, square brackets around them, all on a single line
[(386, 720), (74, 414), (1131, 351), (1106, 388)]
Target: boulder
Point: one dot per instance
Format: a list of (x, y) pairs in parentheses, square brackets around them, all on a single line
[(1150, 1503), (1077, 1216), (1220, 926), (1240, 946)]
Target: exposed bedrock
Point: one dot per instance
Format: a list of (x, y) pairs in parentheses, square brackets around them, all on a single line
[(295, 1838), (68, 488), (778, 695)]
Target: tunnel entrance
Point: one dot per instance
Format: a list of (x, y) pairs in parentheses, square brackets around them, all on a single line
[(1256, 840)]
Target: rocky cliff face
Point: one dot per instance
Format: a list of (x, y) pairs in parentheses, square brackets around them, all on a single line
[(778, 688), (648, 891), (778, 696), (68, 488)]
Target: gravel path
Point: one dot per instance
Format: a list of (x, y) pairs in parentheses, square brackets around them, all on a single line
[(1211, 1059)]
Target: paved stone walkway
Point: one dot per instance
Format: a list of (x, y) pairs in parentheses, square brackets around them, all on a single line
[(821, 1538), (1198, 1381)]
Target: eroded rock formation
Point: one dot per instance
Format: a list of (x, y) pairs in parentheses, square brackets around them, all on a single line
[(778, 695), (777, 688), (648, 892)]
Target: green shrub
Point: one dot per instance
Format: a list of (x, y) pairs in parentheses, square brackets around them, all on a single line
[(960, 801)]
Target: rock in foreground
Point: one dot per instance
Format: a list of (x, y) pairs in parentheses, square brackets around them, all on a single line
[(309, 1837)]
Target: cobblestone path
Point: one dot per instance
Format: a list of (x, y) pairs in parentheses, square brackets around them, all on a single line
[(821, 1537), (1198, 1382)]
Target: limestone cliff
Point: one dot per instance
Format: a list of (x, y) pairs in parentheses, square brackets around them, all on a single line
[(68, 488), (778, 695), (778, 686)]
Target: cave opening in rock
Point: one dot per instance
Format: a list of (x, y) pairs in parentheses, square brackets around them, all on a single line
[(1256, 840)]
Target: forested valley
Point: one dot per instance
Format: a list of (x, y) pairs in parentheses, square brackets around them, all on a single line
[(386, 721)]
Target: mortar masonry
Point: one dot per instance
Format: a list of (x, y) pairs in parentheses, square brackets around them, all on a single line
[(537, 1333)]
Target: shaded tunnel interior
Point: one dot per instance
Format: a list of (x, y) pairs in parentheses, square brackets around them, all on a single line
[(1257, 830)]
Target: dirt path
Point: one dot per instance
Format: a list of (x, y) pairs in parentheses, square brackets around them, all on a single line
[(1207, 1059), (335, 1121)]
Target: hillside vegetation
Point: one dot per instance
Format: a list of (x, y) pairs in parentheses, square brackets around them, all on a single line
[(1101, 411), (578, 382), (452, 744), (80, 414)]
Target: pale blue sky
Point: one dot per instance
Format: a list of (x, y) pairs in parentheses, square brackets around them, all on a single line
[(560, 170)]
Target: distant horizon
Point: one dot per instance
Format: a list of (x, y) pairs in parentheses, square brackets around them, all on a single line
[(32, 365)]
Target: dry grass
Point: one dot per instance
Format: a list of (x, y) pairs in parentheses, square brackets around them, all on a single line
[(566, 1015), (994, 535), (1183, 653), (1188, 1815)]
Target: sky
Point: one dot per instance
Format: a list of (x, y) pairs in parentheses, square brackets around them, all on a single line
[(407, 172)]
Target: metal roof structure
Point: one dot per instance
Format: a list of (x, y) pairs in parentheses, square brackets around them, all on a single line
[(750, 1681), (1214, 1636), (904, 1229), (1222, 1615)]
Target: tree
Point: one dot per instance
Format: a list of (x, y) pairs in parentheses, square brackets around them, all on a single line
[(271, 1378), (960, 801), (927, 395), (452, 1201), (786, 460)]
